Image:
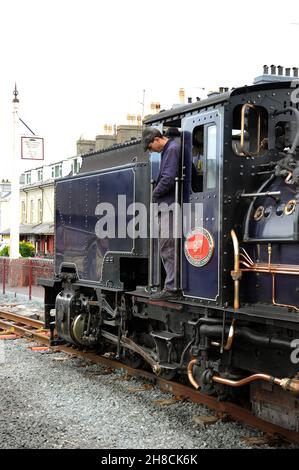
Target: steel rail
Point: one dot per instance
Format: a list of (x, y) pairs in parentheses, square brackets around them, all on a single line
[(21, 319), (235, 412), (23, 326)]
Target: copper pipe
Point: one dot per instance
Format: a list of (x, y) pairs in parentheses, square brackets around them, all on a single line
[(190, 374), (247, 380), (293, 267), (231, 336), (245, 260), (245, 264), (289, 385), (273, 297), (244, 253), (275, 268), (236, 274)]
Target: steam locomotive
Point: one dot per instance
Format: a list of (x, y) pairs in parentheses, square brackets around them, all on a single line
[(234, 332)]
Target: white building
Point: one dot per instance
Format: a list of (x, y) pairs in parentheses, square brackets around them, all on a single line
[(37, 204)]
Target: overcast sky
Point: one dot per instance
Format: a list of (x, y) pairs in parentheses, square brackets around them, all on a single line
[(80, 64)]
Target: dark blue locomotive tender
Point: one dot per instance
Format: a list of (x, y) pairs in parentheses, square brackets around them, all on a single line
[(235, 330)]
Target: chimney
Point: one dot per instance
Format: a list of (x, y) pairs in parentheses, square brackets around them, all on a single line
[(288, 72), (295, 72), (266, 69), (197, 98), (273, 69), (182, 95), (280, 70), (189, 99)]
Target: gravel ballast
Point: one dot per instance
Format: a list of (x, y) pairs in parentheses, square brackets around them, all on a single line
[(54, 400)]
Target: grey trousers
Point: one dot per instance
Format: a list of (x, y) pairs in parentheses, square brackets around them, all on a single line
[(167, 246)]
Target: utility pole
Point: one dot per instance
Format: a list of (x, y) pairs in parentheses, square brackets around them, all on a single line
[(15, 182), (143, 99), (142, 103)]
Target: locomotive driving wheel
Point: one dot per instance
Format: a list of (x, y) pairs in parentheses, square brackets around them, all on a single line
[(78, 330)]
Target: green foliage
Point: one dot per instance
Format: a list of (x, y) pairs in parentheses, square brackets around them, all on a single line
[(4, 251), (27, 250)]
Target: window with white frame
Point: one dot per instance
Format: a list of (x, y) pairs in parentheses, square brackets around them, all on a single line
[(57, 171), (40, 211), (23, 214), (40, 174), (31, 211)]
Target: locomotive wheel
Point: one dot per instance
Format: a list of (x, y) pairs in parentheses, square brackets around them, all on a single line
[(77, 331)]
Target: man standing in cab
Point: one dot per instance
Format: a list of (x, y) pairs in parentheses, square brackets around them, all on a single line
[(164, 195)]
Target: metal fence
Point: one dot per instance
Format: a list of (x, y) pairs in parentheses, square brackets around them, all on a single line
[(21, 276)]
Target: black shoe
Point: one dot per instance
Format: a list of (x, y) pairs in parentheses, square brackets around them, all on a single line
[(164, 294)]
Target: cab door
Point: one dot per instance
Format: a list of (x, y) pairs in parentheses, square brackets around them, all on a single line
[(202, 159)]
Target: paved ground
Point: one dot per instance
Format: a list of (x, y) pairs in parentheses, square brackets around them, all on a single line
[(37, 291)]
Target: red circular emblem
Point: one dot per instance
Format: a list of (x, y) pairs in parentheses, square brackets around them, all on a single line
[(199, 247)]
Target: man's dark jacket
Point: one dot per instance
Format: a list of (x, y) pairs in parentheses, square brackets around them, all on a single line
[(169, 170)]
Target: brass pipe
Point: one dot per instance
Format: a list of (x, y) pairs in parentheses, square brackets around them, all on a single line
[(259, 134), (242, 140), (269, 254), (231, 336), (290, 385), (236, 250), (273, 297), (236, 274), (190, 374), (243, 110)]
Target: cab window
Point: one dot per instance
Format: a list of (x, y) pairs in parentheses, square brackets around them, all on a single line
[(204, 162), (250, 130)]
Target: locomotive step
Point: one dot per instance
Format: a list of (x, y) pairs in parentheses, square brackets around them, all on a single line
[(167, 335)]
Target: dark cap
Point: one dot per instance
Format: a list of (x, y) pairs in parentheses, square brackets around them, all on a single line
[(148, 136)]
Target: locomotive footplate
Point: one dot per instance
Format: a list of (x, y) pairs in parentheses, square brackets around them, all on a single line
[(143, 296)]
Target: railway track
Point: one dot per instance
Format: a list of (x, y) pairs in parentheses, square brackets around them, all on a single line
[(33, 329)]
